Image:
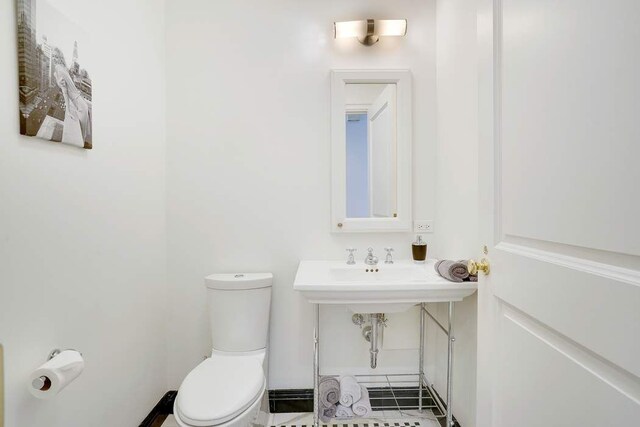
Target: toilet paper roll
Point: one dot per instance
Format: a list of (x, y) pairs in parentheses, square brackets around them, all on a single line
[(50, 378)]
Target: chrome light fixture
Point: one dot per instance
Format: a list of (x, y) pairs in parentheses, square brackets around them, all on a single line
[(369, 31)]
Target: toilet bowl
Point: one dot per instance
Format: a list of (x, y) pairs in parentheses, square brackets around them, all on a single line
[(224, 390), (228, 388)]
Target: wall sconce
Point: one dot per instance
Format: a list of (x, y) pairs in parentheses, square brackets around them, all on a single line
[(368, 31)]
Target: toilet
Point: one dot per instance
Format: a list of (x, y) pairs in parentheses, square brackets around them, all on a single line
[(228, 388)]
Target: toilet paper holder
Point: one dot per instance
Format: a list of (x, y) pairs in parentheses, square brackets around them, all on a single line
[(43, 382), (57, 351)]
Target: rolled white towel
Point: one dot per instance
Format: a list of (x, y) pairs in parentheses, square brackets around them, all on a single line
[(329, 391), (362, 407), (349, 390), (343, 412)]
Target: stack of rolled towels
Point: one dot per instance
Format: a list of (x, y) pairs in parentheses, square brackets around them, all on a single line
[(455, 271), (329, 391), (344, 398)]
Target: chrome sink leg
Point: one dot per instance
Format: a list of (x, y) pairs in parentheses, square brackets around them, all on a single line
[(452, 340), (421, 358), (316, 366)]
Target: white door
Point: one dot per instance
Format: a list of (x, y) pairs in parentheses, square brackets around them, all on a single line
[(382, 152), (559, 313)]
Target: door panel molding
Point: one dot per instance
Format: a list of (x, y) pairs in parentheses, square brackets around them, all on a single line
[(609, 373), (615, 259), (545, 379), (598, 312), (583, 265), (497, 120)]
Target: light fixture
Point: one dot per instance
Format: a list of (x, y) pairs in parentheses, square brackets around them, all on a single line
[(368, 31)]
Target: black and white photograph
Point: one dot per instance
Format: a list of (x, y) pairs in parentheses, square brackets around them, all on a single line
[(54, 82)]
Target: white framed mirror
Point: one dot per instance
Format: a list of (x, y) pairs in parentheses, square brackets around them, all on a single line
[(371, 132)]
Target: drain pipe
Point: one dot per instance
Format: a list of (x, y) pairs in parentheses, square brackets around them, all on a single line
[(375, 323), (370, 333)]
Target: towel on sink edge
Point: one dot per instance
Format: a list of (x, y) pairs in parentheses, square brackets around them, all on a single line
[(454, 271)]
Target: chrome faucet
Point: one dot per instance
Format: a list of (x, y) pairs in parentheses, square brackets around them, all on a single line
[(350, 259), (371, 259), (389, 259)]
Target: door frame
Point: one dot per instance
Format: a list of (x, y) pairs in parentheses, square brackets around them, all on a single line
[(363, 109), (489, 39), (374, 111)]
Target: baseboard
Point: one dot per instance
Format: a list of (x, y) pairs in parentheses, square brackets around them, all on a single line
[(159, 413), (442, 421), (290, 400), (301, 400)]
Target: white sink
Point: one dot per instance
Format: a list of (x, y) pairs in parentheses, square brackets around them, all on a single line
[(385, 288)]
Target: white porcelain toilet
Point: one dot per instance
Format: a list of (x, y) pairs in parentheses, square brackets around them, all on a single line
[(228, 389)]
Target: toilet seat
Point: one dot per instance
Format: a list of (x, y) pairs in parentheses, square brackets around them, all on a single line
[(219, 389)]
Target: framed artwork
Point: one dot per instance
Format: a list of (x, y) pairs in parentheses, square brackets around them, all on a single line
[(54, 59)]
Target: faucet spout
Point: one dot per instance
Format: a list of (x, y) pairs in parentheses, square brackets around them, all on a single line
[(371, 259)]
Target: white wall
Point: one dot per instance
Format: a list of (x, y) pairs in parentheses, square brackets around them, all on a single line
[(249, 162), (457, 194), (82, 246), (248, 109)]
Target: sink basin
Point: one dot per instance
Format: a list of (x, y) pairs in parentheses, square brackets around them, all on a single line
[(385, 288)]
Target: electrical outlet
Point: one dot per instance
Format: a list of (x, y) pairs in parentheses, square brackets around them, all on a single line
[(422, 226)]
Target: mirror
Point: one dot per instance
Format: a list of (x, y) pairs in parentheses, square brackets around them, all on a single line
[(370, 139), (371, 144)]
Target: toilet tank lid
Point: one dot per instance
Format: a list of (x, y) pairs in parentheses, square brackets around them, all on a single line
[(238, 281)]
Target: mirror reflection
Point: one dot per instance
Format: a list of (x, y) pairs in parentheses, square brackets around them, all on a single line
[(371, 138)]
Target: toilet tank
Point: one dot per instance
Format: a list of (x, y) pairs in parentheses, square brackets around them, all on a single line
[(239, 306)]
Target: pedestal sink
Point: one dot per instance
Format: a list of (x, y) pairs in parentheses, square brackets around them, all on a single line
[(384, 288)]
